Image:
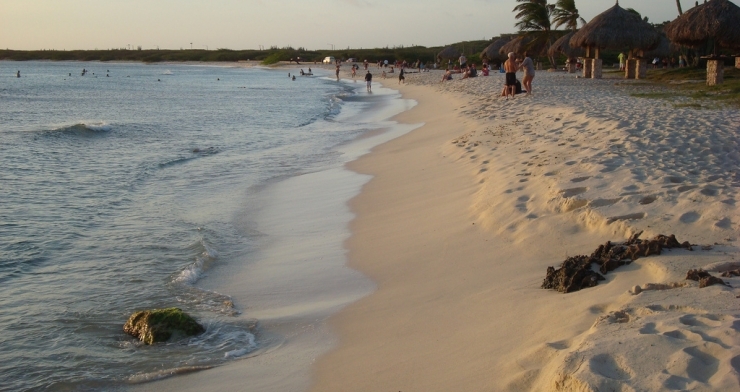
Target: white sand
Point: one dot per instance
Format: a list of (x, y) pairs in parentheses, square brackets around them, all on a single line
[(464, 215)]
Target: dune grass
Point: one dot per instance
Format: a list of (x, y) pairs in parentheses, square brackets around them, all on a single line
[(686, 87)]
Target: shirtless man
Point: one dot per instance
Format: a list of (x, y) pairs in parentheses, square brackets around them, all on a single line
[(510, 69)]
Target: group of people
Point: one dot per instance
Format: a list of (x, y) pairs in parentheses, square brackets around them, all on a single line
[(511, 66), (666, 62)]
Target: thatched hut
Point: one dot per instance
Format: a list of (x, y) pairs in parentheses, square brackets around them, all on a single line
[(491, 52), (517, 45), (715, 20), (615, 28), (664, 49), (449, 53), (562, 45)]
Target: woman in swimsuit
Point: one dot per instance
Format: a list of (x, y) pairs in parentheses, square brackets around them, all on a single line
[(528, 66)]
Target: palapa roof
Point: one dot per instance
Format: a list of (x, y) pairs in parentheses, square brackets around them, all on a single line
[(562, 45), (616, 28), (517, 45), (716, 19), (449, 52), (491, 52), (665, 48)]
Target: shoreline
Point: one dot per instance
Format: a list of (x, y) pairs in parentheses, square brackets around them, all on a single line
[(298, 277), (463, 216)]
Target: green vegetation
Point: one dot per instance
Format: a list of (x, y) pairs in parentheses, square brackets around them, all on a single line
[(472, 50), (686, 87)]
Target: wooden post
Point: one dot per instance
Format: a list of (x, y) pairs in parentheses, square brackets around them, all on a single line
[(630, 68), (587, 67), (571, 66), (715, 72), (641, 68), (596, 69)]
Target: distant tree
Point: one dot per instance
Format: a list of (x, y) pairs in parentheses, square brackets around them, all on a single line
[(566, 14), (534, 20)]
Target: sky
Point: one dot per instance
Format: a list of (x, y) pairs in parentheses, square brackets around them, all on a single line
[(249, 24)]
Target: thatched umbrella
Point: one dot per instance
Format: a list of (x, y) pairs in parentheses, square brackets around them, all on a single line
[(717, 20), (616, 28), (664, 49), (517, 45), (562, 45), (491, 52), (449, 53)]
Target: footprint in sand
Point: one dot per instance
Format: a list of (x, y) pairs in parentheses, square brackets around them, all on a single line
[(580, 179), (709, 192), (611, 367), (573, 191), (724, 223), (648, 200), (690, 217), (686, 188), (635, 216), (603, 202)]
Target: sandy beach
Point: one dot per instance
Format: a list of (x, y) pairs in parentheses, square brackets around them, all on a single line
[(462, 217)]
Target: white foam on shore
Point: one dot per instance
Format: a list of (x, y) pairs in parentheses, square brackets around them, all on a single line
[(297, 277)]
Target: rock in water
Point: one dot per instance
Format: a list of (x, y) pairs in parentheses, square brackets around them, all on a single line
[(158, 325)]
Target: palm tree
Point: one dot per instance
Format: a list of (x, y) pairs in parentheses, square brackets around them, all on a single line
[(534, 19), (566, 14)]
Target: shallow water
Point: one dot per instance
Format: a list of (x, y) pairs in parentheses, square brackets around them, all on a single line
[(122, 188)]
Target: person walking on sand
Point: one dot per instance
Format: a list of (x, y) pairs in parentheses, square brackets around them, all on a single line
[(369, 81), (463, 61), (510, 68), (528, 66), (401, 78), (621, 61), (337, 72)]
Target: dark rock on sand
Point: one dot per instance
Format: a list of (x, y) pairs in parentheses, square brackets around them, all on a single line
[(576, 272), (159, 325), (731, 273)]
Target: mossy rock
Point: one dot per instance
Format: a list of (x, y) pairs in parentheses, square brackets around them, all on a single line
[(158, 325)]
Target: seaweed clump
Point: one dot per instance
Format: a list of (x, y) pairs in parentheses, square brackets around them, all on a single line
[(576, 273), (704, 278), (159, 325)]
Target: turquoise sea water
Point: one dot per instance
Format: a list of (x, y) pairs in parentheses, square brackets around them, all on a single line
[(120, 189)]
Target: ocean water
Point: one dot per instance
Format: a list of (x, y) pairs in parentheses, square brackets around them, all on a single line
[(123, 189)]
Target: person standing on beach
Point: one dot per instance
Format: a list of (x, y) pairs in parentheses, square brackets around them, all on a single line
[(401, 78), (337, 72), (528, 66), (463, 61), (369, 80), (510, 68), (621, 61)]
